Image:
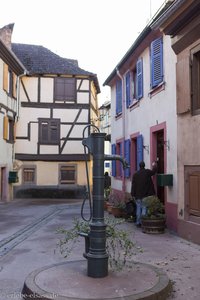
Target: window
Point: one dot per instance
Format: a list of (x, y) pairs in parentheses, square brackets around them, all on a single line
[(119, 167), (29, 175), (107, 165), (118, 97), (128, 89), (67, 174), (113, 150), (136, 153), (139, 150), (139, 76), (49, 131), (5, 77), (127, 146), (64, 89), (9, 81), (196, 81), (134, 84), (156, 62), (9, 129)]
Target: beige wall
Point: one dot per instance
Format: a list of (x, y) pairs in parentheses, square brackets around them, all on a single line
[(48, 173), (188, 141)]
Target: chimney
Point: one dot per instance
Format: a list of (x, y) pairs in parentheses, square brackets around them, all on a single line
[(6, 34)]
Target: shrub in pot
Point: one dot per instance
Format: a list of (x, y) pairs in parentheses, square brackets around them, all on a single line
[(154, 220)]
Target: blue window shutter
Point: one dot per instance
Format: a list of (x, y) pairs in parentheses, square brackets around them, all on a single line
[(139, 76), (121, 154), (139, 150), (127, 145), (156, 62), (128, 94), (113, 148), (118, 96)]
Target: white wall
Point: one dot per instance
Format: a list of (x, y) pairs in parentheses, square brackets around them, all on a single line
[(150, 112)]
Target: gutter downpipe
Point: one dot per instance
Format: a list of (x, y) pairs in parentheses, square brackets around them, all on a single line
[(18, 92), (123, 125)]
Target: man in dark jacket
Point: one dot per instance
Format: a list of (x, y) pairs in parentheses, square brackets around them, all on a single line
[(142, 186)]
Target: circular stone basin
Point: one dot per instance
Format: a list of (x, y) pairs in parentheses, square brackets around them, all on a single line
[(70, 281)]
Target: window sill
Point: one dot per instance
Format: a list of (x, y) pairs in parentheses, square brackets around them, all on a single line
[(118, 116), (157, 89), (195, 112), (194, 219), (135, 104)]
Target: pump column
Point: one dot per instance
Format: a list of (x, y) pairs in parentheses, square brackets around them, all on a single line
[(97, 257)]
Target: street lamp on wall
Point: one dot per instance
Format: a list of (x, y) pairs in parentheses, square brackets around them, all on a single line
[(146, 148), (166, 144)]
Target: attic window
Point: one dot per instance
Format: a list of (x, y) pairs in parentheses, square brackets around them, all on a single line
[(65, 89)]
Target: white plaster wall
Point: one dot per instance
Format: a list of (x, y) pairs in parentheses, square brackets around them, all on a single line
[(82, 97), (85, 84), (1, 77), (49, 149), (47, 88), (30, 115), (73, 147), (31, 85), (6, 149), (70, 115), (151, 111)]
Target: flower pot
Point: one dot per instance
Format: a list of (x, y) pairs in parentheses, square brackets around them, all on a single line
[(109, 208), (156, 225), (117, 212), (105, 205)]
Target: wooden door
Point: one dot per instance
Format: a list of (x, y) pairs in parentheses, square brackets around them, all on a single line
[(194, 194)]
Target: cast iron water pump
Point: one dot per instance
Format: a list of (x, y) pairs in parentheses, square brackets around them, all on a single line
[(97, 257)]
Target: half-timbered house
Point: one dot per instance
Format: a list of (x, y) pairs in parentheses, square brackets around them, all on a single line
[(10, 71), (58, 100)]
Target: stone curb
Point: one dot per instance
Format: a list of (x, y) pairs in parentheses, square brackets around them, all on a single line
[(159, 291)]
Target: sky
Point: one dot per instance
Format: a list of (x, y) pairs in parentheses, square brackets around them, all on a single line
[(97, 33)]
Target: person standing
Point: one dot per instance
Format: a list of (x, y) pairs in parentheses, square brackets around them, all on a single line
[(142, 186), (107, 185)]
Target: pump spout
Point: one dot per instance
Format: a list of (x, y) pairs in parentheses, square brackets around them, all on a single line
[(117, 157)]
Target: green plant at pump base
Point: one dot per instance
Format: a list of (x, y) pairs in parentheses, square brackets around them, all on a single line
[(119, 246)]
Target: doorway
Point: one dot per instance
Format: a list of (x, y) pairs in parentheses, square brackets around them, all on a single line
[(158, 152), (2, 183), (160, 161)]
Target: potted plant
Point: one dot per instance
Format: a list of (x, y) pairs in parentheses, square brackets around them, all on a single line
[(119, 245), (154, 220), (118, 205)]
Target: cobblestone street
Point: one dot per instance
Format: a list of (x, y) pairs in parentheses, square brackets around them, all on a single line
[(28, 241)]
